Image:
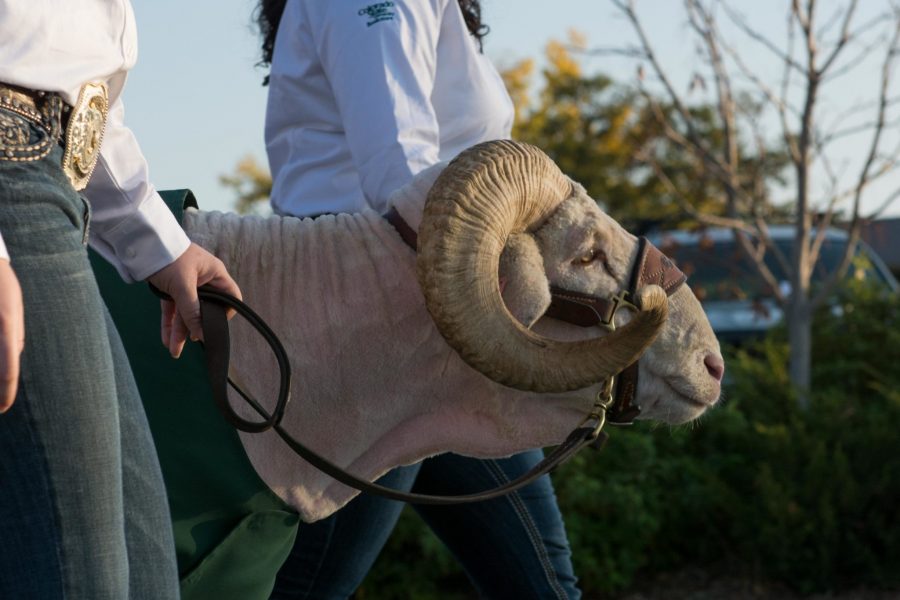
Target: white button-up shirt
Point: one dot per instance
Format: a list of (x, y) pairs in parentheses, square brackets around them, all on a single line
[(59, 45), (364, 95)]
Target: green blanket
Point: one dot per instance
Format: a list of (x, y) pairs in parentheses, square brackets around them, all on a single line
[(231, 532)]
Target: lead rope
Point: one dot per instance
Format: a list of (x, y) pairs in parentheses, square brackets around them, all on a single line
[(213, 305)]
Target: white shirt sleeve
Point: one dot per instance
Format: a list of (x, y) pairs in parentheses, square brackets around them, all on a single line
[(380, 61), (3, 253), (131, 226)]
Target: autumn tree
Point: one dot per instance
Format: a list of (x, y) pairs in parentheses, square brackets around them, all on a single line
[(607, 137), (251, 184)]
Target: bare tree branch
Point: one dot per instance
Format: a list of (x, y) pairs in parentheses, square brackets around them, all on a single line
[(859, 107), (829, 23), (789, 135), (855, 129), (696, 140), (864, 52), (802, 269), (685, 204), (763, 228), (865, 175), (712, 169), (802, 19), (844, 38), (778, 101), (828, 52), (835, 196), (875, 214), (702, 22), (741, 22), (629, 52)]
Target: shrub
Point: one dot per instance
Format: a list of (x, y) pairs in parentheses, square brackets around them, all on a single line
[(758, 488)]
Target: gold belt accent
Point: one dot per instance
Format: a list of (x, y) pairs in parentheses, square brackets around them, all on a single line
[(84, 134), (85, 123), (20, 101)]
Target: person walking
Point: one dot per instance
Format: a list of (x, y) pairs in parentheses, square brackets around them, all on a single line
[(83, 510), (362, 97)]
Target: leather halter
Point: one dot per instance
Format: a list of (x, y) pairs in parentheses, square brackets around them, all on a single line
[(650, 267)]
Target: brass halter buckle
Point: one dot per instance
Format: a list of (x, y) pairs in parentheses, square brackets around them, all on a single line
[(84, 134), (596, 419), (619, 300)]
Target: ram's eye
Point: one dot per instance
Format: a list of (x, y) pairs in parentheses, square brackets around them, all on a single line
[(589, 257)]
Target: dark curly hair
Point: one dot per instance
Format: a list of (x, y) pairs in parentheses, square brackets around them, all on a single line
[(471, 10), (268, 16)]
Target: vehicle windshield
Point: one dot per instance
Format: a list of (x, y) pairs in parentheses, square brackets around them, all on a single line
[(718, 270)]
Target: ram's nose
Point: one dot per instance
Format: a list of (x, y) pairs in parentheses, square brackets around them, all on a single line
[(715, 366)]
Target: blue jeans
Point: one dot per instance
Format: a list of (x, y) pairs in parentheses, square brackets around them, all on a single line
[(83, 511), (510, 547)]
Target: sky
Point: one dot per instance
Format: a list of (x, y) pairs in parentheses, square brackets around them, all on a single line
[(196, 103)]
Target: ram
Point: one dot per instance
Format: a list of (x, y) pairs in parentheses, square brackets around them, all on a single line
[(399, 355)]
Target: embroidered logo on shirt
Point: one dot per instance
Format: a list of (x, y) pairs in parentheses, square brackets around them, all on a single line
[(376, 13)]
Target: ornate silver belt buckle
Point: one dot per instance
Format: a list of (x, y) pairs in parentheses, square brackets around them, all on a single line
[(84, 134)]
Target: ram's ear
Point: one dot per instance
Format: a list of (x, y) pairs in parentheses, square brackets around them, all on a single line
[(523, 282)]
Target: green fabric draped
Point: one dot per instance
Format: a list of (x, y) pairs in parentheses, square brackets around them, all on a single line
[(231, 532)]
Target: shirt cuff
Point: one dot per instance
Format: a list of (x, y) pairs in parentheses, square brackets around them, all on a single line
[(148, 240), (3, 253)]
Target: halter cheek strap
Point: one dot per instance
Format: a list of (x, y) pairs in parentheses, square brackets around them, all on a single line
[(651, 267)]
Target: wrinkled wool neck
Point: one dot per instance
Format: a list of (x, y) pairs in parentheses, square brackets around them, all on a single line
[(279, 248), (341, 293)]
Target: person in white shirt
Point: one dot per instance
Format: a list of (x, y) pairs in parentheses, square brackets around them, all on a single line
[(362, 97), (83, 511)]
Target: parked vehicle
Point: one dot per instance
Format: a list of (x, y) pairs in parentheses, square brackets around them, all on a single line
[(739, 303)]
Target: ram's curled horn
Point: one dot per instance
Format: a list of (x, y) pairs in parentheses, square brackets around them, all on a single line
[(485, 194)]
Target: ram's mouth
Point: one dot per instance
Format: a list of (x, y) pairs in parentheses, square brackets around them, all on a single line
[(691, 401), (688, 395), (675, 406)]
